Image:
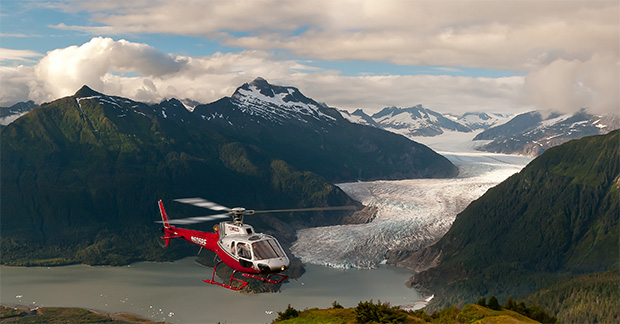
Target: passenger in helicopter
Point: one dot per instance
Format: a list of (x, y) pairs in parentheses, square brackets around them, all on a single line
[(244, 251)]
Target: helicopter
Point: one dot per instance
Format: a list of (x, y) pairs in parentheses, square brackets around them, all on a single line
[(236, 244)]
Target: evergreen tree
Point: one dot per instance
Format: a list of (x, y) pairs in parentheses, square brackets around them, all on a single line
[(482, 301), (510, 304), (494, 303), (288, 313)]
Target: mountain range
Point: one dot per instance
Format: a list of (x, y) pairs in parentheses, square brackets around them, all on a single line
[(527, 134), (532, 133), (555, 220), (81, 175), (420, 121)]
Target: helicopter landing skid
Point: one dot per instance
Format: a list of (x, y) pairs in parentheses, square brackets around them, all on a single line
[(229, 286), (267, 279), (243, 283)]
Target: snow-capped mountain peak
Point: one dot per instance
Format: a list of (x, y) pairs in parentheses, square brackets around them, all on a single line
[(416, 121), (277, 103), (481, 120), (359, 117)]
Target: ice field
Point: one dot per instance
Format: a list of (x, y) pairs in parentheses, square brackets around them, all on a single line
[(411, 213)]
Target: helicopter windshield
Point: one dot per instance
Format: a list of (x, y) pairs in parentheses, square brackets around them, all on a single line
[(267, 249)]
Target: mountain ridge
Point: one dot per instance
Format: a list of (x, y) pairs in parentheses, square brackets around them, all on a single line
[(259, 112)]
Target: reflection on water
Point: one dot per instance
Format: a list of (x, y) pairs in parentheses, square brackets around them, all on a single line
[(174, 292)]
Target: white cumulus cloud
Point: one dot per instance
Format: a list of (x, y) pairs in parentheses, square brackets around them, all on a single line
[(65, 70)]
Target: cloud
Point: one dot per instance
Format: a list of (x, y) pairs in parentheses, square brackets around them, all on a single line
[(438, 92), (12, 55), (569, 85), (141, 72), (65, 70), (568, 51), (515, 35)]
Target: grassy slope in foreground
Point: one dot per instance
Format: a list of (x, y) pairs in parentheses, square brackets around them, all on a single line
[(468, 314), (66, 315)]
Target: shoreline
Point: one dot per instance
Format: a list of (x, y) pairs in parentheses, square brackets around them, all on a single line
[(36, 310)]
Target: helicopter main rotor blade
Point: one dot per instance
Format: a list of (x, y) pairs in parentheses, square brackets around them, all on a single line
[(199, 202), (305, 209), (194, 220)]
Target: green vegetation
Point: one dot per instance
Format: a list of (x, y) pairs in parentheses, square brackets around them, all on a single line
[(556, 219), (369, 312), (80, 183), (288, 313), (67, 315), (589, 298), (8, 312)]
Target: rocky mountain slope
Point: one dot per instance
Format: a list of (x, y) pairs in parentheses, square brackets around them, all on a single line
[(293, 127)]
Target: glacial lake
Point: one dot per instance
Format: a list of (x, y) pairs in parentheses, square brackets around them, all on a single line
[(174, 292)]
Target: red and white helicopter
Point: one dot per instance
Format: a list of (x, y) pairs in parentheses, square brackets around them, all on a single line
[(236, 244)]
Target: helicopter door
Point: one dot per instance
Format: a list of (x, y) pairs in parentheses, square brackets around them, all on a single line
[(245, 255)]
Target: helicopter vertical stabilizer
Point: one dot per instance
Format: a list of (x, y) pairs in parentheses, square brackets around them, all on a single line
[(164, 219)]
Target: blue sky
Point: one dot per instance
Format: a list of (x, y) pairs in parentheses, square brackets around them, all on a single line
[(450, 56)]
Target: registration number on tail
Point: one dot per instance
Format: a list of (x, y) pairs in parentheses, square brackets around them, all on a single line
[(199, 240)]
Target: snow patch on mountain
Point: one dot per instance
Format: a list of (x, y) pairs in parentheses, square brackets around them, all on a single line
[(420, 121), (412, 214), (477, 120), (276, 106)]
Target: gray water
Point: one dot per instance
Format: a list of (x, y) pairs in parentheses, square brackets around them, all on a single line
[(174, 292)]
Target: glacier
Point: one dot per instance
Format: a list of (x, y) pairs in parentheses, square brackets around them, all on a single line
[(411, 214)]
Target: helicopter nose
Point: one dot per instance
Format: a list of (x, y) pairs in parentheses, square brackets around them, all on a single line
[(272, 268)]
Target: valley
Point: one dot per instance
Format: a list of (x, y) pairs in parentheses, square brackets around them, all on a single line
[(411, 214)]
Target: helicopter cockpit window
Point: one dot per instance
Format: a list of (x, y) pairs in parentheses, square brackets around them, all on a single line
[(243, 250), (267, 249)]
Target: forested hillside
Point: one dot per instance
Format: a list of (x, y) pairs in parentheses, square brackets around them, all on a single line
[(81, 177), (558, 217)]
